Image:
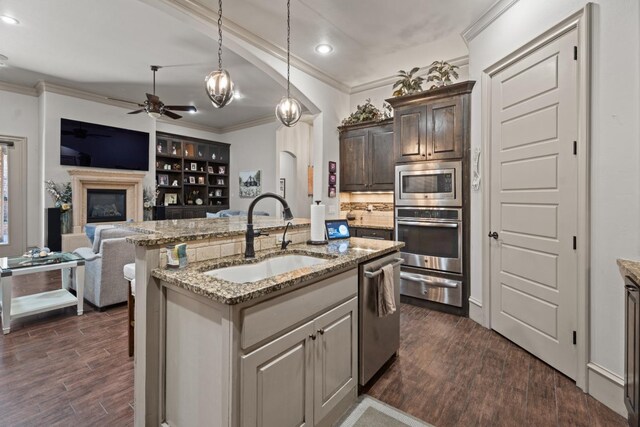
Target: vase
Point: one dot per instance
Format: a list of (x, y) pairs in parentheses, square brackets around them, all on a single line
[(65, 222), (147, 214)]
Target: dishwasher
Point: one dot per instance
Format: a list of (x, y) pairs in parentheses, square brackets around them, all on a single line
[(379, 337)]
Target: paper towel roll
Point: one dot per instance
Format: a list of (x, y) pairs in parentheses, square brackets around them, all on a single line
[(317, 223)]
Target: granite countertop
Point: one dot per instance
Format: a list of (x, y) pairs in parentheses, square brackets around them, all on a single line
[(184, 230), (380, 224), (630, 268), (341, 254)]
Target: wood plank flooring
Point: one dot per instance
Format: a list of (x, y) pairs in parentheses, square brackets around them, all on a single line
[(68, 370), (452, 372)]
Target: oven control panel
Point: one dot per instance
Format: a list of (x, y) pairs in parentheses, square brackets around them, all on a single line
[(421, 213)]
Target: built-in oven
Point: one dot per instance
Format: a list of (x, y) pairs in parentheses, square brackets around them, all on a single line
[(432, 237), (429, 184)]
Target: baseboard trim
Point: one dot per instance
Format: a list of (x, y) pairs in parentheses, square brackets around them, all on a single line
[(607, 387), (475, 311)]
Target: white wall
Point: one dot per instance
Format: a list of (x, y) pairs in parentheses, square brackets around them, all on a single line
[(253, 149), (19, 117), (297, 141), (615, 149)]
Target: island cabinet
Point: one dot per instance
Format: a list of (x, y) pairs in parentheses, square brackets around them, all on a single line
[(432, 125), (632, 351), (288, 358), (366, 156)]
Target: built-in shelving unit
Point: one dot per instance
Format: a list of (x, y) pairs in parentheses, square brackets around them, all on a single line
[(191, 173)]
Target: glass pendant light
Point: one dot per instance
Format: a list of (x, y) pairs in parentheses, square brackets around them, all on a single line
[(288, 110), (218, 83)]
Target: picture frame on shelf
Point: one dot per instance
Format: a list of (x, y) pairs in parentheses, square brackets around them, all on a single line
[(201, 180), (170, 199), (163, 179), (209, 169), (222, 170), (192, 180), (333, 167), (194, 166)]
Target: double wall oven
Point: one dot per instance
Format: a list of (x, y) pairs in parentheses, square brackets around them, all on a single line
[(428, 217)]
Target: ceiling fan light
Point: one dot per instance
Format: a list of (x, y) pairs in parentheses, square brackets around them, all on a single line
[(220, 88), (288, 111), (154, 114)]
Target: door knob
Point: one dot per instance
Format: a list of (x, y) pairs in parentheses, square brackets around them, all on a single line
[(493, 235)]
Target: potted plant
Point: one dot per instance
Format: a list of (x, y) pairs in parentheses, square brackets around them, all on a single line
[(408, 84), (364, 113), (149, 197), (441, 73), (61, 195)]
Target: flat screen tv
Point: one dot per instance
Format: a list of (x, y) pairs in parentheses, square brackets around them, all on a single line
[(98, 146)]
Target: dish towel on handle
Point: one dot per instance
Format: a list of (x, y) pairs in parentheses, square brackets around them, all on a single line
[(386, 295)]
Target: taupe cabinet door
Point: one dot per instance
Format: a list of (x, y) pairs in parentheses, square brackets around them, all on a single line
[(335, 356), (297, 379), (277, 382), (382, 166), (411, 134), (534, 203), (445, 129)]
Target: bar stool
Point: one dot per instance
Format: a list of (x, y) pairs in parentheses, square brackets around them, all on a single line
[(130, 275)]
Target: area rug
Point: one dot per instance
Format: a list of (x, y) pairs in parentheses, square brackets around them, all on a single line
[(369, 412)]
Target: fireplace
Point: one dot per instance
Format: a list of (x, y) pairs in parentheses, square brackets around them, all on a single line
[(106, 205)]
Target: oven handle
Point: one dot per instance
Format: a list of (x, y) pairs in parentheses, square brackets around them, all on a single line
[(372, 274), (430, 224), (440, 283)]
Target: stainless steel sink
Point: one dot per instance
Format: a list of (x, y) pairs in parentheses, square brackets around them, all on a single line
[(270, 267)]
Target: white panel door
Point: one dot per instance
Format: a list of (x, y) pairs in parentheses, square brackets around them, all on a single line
[(534, 110), (13, 190)]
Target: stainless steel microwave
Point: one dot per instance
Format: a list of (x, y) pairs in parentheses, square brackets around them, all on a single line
[(429, 184)]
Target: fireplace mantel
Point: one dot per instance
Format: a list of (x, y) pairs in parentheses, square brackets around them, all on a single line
[(84, 179)]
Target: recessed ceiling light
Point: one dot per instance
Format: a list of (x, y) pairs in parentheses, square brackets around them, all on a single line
[(9, 20), (324, 49)]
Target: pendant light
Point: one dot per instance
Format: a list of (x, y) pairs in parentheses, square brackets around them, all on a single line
[(218, 83), (288, 110)]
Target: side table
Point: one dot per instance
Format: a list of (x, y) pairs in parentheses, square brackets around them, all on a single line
[(72, 268)]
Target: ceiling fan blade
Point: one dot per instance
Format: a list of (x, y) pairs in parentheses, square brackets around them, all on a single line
[(153, 98), (190, 108), (136, 112), (124, 100), (172, 115)]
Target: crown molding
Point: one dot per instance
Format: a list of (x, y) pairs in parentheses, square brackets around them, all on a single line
[(460, 61), (197, 10), (490, 15), (22, 90)]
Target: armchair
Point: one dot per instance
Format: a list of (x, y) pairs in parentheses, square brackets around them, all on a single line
[(104, 284)]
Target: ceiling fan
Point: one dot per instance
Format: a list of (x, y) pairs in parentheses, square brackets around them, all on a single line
[(156, 108)]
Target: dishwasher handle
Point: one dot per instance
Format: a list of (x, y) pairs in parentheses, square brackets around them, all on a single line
[(376, 273)]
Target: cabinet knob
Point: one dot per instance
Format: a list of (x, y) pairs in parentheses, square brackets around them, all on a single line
[(321, 331), (312, 336), (428, 154), (630, 288), (423, 155)]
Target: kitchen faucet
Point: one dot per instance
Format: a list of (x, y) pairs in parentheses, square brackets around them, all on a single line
[(251, 234), (285, 242)]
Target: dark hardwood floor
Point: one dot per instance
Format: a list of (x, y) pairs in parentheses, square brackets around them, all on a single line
[(62, 369), (68, 370), (453, 372)]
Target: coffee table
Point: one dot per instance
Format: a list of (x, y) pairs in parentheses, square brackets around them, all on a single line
[(72, 267)]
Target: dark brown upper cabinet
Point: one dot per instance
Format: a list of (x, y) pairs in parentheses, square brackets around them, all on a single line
[(366, 156), (432, 125)]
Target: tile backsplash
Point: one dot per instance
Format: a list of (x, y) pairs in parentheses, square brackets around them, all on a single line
[(382, 204)]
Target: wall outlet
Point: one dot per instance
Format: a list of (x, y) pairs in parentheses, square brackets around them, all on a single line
[(332, 210)]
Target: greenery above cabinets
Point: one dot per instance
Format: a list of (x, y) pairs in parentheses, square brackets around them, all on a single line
[(366, 156)]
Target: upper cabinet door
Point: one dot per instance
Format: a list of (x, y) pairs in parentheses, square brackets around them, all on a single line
[(445, 128), (353, 150), (410, 134), (381, 159)]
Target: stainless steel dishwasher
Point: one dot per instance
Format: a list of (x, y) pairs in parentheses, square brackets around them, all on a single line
[(379, 337)]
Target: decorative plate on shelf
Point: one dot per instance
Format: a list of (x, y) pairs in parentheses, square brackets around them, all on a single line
[(198, 201)]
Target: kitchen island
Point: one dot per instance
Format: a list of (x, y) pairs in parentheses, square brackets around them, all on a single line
[(226, 341)]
